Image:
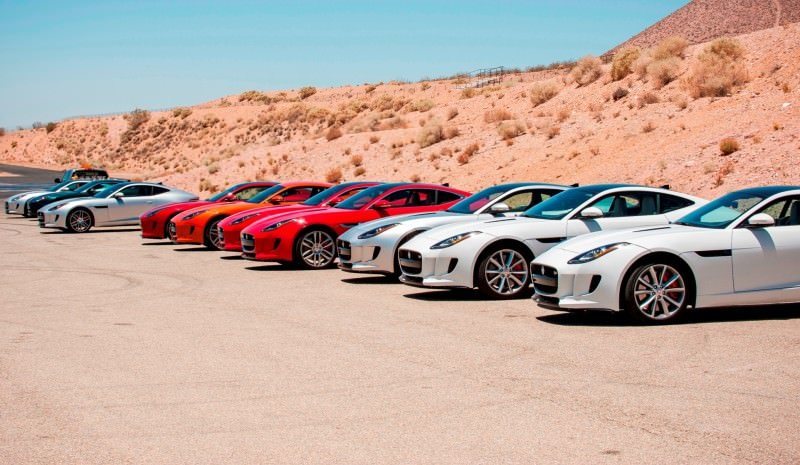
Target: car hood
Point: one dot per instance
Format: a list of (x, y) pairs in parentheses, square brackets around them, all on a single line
[(674, 237), (413, 221), (271, 211), (82, 202), (520, 227), (27, 195)]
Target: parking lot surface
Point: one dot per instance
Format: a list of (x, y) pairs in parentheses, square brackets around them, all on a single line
[(119, 350)]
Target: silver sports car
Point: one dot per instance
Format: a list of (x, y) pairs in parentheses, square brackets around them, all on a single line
[(16, 203), (118, 205)]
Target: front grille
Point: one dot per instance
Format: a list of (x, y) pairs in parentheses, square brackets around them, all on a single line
[(410, 261), (545, 279), (248, 245), (344, 249), (40, 217)]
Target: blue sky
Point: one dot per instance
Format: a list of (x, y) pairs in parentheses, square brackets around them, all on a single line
[(67, 58)]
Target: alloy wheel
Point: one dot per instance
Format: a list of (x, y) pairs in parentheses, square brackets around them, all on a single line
[(80, 221), (172, 231), (507, 272), (659, 291), (317, 249)]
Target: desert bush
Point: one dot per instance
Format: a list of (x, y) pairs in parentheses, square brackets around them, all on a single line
[(213, 168), (182, 113), (333, 133), (430, 134), (137, 118), (648, 98), (620, 93), (553, 131), (723, 172), (587, 70), (37, 125), (510, 129), (421, 105), (622, 63), (464, 157), (50, 127), (333, 175), (718, 69), (451, 132), (255, 96), (728, 146), (374, 139), (664, 71), (369, 89), (543, 91), (359, 171), (415, 178), (469, 92), (674, 46), (357, 160), (648, 127), (451, 113), (498, 114), (2, 132), (306, 92)]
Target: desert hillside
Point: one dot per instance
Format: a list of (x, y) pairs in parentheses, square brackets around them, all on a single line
[(703, 20), (705, 119)]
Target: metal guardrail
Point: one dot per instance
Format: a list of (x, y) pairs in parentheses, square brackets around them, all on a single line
[(483, 77)]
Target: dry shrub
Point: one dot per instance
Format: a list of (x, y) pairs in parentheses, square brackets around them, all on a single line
[(2, 132), (369, 89), (333, 175), (421, 105), (510, 129), (664, 71), (451, 132), (430, 134), (553, 131), (182, 113), (719, 68), (359, 171), (464, 157), (498, 114), (50, 127), (213, 168), (451, 113), (674, 46), (469, 92), (587, 70), (136, 118), (648, 127), (648, 98), (374, 139), (620, 93), (563, 115), (306, 92), (415, 178), (333, 133), (357, 160), (728, 146), (723, 172), (622, 63), (543, 91)]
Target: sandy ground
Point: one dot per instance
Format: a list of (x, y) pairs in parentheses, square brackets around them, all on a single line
[(115, 351)]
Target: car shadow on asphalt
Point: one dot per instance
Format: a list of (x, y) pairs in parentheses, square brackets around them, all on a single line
[(157, 243), (373, 279), (272, 267), (193, 249), (447, 295), (231, 257), (712, 315), (92, 231)]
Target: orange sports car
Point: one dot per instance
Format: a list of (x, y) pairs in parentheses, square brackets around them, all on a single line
[(199, 225)]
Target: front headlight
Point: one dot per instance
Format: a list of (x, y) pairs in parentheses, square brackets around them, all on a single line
[(594, 254), (244, 218), (375, 231), (193, 214), (275, 226), (451, 241), (57, 206)]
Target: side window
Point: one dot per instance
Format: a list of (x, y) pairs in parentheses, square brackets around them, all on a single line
[(522, 201), (421, 198), (158, 190), (624, 204), (136, 191), (398, 199), (296, 194), (446, 197), (785, 212), (671, 203), (246, 194), (346, 195)]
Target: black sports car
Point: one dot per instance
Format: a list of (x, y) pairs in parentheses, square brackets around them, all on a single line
[(33, 204)]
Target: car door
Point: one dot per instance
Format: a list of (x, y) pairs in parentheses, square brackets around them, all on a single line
[(625, 209), (768, 258), (130, 202)]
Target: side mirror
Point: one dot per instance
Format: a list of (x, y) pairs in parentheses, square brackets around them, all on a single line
[(229, 197), (57, 180), (382, 205), (591, 212), (118, 195), (760, 220), (499, 207)]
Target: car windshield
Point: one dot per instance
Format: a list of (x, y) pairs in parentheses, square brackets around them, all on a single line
[(95, 186), (327, 194), (720, 213), (265, 194), (58, 186), (104, 193), (72, 186), (364, 197), (216, 197), (475, 201), (560, 205)]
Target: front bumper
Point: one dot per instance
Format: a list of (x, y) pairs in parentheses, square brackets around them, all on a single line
[(152, 228), (12, 208), (266, 248), (188, 233), (54, 219), (231, 238), (435, 268), (364, 258)]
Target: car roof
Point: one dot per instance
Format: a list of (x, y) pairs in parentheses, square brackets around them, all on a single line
[(515, 185), (305, 183), (768, 191)]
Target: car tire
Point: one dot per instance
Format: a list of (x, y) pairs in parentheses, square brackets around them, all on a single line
[(658, 291), (211, 236), (79, 220), (167, 234), (504, 273), (315, 249)]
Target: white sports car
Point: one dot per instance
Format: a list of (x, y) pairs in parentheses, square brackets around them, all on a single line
[(493, 255), (740, 249), (118, 205), (16, 203), (372, 247)]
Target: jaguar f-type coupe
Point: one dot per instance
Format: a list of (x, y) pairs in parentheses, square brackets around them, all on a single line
[(156, 222), (199, 225), (16, 203), (494, 255), (307, 238), (740, 249), (372, 247), (230, 229), (117, 205), (33, 204)]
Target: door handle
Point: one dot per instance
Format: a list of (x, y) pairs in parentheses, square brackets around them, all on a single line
[(149, 201)]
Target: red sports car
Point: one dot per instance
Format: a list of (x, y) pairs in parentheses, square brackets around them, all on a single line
[(155, 223), (308, 238), (230, 229), (199, 225)]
